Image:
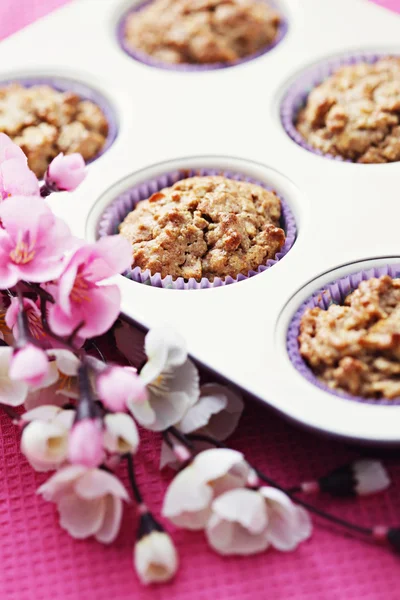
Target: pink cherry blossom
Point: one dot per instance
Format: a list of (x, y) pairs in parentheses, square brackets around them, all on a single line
[(33, 315), (85, 444), (16, 179), (117, 386), (81, 296), (32, 242), (65, 173), (29, 364)]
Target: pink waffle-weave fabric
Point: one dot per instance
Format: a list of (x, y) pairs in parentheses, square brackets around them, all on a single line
[(39, 561)]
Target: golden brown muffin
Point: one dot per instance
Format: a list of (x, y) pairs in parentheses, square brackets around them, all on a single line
[(355, 113), (202, 31), (205, 227), (356, 347), (45, 122)]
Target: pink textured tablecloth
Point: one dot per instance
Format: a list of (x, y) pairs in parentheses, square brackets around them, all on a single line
[(39, 561)]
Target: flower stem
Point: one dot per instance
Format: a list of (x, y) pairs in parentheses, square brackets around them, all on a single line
[(87, 407), (10, 412), (291, 492), (181, 437), (132, 479)]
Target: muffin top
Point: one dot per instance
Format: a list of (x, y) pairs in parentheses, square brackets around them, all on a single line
[(45, 122), (355, 113), (202, 31), (356, 347), (205, 227)]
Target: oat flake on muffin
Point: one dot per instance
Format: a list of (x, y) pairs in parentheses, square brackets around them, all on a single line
[(205, 226), (45, 122), (202, 31), (355, 113), (355, 347)]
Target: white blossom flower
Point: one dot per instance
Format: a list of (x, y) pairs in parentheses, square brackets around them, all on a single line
[(216, 414), (155, 557), (89, 501), (247, 521), (171, 378), (12, 392), (44, 440), (187, 502), (61, 382), (121, 434), (288, 523), (238, 523)]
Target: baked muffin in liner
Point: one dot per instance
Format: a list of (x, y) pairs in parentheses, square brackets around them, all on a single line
[(153, 62), (334, 293), (297, 94), (116, 212), (85, 92)]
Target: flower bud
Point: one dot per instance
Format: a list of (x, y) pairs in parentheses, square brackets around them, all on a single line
[(155, 556), (117, 386), (362, 477), (85, 444), (29, 364), (65, 173)]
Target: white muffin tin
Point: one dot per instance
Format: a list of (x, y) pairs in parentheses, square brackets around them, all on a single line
[(345, 212)]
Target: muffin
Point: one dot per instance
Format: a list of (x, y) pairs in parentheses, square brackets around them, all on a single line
[(355, 113), (205, 226), (202, 31), (45, 122), (355, 347)]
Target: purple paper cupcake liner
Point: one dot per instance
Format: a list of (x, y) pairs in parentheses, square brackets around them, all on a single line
[(116, 212), (333, 293), (296, 97), (152, 62), (85, 92)]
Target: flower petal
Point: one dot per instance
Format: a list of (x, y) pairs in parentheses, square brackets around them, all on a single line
[(46, 412), (121, 433), (165, 349), (61, 481), (371, 477), (200, 413), (289, 524), (228, 538), (66, 361), (81, 517), (243, 506), (222, 423), (96, 483), (217, 462), (187, 500), (111, 521)]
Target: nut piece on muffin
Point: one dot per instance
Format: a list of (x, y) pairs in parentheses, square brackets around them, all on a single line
[(355, 113), (45, 122), (356, 347), (202, 31), (207, 226)]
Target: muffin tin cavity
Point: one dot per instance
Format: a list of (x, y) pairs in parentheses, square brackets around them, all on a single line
[(147, 59), (120, 204), (85, 125), (296, 94), (125, 203), (335, 292)]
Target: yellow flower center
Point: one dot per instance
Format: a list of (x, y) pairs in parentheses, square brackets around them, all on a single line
[(79, 292), (64, 381), (3, 327), (24, 251)]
